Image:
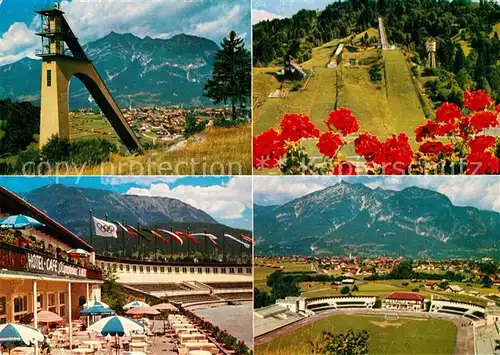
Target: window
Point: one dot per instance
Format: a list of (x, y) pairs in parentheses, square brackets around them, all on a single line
[(177, 269), (249, 270), (184, 270), (20, 307), (121, 267), (49, 77), (200, 270), (207, 270), (191, 270), (39, 301), (3, 310), (127, 268), (216, 270), (141, 268), (162, 269), (231, 270), (148, 269), (169, 269), (240, 270), (62, 304), (51, 303), (222, 270), (134, 268), (155, 269)]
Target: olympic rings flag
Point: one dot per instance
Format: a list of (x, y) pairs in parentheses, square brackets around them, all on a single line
[(104, 228)]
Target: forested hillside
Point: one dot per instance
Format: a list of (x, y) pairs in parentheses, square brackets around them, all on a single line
[(468, 46)]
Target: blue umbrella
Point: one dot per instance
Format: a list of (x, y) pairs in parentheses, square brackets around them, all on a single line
[(14, 333), (97, 310), (116, 326), (95, 303), (19, 222)]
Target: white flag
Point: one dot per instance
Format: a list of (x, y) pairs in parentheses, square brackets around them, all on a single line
[(104, 229)]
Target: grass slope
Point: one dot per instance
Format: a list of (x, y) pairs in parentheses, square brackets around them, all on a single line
[(402, 336), (215, 151)]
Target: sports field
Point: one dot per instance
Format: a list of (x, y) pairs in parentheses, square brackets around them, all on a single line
[(387, 336)]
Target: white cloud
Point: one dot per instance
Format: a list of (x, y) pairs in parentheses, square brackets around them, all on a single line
[(140, 181), (17, 42), (259, 15), (223, 202)]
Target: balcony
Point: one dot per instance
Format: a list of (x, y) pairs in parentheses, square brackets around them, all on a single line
[(17, 258)]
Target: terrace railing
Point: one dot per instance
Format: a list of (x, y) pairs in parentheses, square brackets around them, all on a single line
[(15, 258)]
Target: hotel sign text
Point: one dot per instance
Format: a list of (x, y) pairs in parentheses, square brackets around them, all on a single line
[(46, 265)]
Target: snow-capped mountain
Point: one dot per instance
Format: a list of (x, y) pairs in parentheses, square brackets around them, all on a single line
[(353, 218), (143, 72)]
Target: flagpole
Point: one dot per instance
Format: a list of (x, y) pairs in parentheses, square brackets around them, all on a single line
[(172, 246), (156, 245), (90, 226), (223, 247), (123, 239), (241, 252), (106, 239), (139, 244), (206, 256)]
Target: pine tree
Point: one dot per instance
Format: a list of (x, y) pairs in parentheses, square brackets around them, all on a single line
[(459, 60), (231, 74)]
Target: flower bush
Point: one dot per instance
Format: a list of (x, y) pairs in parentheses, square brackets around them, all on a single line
[(455, 142)]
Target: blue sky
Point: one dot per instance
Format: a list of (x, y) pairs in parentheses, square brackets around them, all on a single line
[(477, 191), (227, 199), (90, 20)]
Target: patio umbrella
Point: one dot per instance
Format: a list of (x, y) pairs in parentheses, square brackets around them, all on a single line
[(165, 307), (116, 326), (19, 222), (95, 303), (16, 333), (135, 304), (97, 311), (78, 252), (143, 310), (48, 317)]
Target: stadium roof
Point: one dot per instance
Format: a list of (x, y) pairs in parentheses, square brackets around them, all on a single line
[(406, 296)]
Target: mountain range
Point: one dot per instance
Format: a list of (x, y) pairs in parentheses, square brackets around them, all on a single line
[(138, 72), (70, 206), (352, 218)]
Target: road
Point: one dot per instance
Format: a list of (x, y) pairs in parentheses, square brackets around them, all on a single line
[(382, 35)]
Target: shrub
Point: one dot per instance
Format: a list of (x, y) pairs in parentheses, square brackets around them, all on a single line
[(344, 290)]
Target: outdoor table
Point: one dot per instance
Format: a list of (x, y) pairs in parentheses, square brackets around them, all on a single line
[(191, 336), (23, 350), (199, 352), (138, 346), (93, 343), (83, 351), (199, 346)]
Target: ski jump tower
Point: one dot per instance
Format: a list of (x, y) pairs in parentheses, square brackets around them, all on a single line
[(431, 46), (58, 67)]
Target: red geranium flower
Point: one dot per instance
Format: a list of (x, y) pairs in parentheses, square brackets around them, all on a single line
[(448, 113), (268, 147), (497, 109), (477, 100), (344, 168), (480, 144), (343, 120), (482, 120), (430, 148), (295, 126), (428, 130), (396, 154), (482, 163), (367, 145), (445, 129), (329, 144)]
